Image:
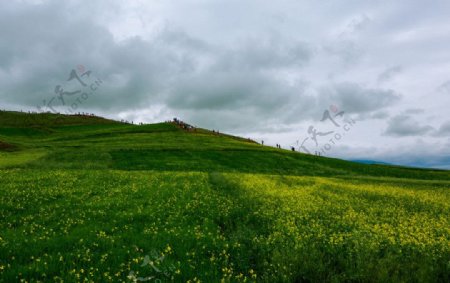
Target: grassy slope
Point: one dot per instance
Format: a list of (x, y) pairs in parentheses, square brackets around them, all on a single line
[(91, 142), (86, 197)]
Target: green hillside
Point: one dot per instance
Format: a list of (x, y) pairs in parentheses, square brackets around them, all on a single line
[(83, 198), (80, 142)]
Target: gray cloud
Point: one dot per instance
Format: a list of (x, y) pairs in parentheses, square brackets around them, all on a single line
[(229, 91), (355, 98), (405, 125), (135, 71), (256, 54), (345, 50), (389, 73), (375, 115), (444, 130), (380, 115), (243, 99), (414, 111)]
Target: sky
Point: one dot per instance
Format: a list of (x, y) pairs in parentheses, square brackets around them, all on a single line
[(349, 79)]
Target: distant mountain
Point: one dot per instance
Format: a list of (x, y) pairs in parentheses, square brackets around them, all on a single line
[(368, 161)]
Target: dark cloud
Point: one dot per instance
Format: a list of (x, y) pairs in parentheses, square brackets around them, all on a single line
[(239, 99), (170, 67), (414, 111), (444, 130), (347, 51), (259, 54), (228, 91), (380, 115), (44, 49), (405, 125), (376, 115), (355, 98)]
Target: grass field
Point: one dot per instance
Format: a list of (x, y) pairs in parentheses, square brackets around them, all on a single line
[(85, 199)]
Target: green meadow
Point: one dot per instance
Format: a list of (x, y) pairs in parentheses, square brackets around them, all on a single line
[(87, 199)]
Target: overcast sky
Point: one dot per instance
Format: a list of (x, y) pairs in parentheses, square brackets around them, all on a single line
[(268, 70)]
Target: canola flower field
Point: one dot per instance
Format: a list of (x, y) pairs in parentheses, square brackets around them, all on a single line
[(88, 204)]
